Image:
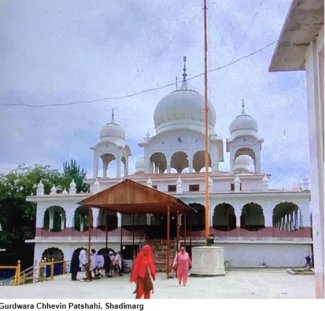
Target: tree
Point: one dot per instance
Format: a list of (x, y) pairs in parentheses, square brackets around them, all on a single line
[(73, 171)]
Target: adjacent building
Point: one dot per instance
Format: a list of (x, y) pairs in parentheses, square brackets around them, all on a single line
[(301, 47)]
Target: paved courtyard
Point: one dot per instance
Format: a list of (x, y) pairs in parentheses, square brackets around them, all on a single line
[(236, 284)]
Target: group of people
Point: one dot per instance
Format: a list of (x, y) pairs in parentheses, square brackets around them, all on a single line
[(97, 262), (143, 271)]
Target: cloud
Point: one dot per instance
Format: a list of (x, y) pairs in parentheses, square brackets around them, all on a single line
[(56, 52)]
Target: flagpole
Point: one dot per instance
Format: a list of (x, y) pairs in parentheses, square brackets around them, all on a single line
[(206, 121)]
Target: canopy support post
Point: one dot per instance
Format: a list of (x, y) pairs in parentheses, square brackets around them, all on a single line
[(106, 229), (168, 241), (121, 235), (185, 217), (177, 230), (88, 272)]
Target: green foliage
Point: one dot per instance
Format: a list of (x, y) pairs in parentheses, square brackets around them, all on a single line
[(73, 171), (17, 216)]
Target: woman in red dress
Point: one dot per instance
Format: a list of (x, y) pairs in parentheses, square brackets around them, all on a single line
[(143, 272)]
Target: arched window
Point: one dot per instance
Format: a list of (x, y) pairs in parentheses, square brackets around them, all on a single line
[(224, 217), (286, 216), (179, 161), (54, 219), (158, 163), (81, 218), (110, 220), (252, 217), (198, 219)]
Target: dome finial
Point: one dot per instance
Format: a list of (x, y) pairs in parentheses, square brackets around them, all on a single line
[(184, 82), (243, 106), (112, 115), (184, 69)]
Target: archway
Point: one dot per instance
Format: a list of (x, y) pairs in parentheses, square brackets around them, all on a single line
[(198, 219), (224, 217), (81, 219), (110, 222), (158, 162), (57, 256), (252, 217), (250, 153), (179, 161), (286, 216), (54, 219), (199, 161)]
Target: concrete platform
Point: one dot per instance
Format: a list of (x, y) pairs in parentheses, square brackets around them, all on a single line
[(235, 284)]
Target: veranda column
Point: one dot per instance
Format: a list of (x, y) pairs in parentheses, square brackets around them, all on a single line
[(95, 212), (168, 240), (51, 218), (119, 220)]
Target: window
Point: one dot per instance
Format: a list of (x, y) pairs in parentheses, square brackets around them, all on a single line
[(194, 188), (171, 188), (232, 187)]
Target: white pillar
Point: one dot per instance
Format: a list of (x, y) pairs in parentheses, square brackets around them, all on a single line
[(119, 220), (95, 212), (69, 214), (62, 215), (51, 216), (296, 220), (118, 167), (95, 165), (105, 167), (300, 220), (179, 186), (149, 219), (237, 184), (126, 167)]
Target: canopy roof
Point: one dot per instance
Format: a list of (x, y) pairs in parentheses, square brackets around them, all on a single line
[(130, 197)]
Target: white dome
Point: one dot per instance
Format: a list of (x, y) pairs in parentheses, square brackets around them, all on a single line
[(243, 160), (112, 132), (183, 109), (139, 165), (243, 125), (242, 164)]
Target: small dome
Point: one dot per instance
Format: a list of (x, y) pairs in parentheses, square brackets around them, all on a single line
[(243, 125), (113, 132), (139, 165), (242, 164)]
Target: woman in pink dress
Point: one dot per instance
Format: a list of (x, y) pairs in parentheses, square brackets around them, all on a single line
[(183, 264)]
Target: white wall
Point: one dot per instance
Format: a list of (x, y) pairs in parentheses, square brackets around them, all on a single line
[(273, 255)]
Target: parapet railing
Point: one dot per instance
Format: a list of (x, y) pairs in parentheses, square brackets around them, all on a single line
[(41, 271), (12, 280)]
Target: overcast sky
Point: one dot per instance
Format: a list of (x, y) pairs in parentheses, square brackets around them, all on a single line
[(58, 52)]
